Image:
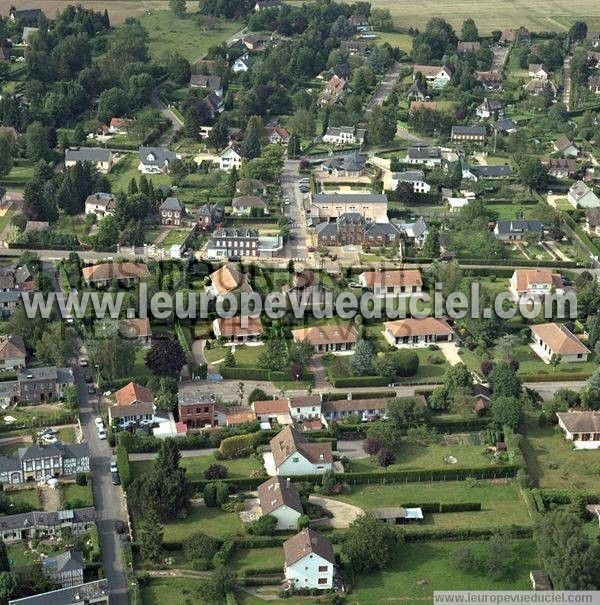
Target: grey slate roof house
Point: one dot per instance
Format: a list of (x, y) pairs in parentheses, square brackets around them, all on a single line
[(155, 159), (66, 568), (91, 593), (171, 212), (212, 83), (470, 134), (515, 230), (16, 528), (474, 173), (102, 159)]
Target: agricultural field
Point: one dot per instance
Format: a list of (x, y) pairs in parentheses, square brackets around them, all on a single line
[(552, 463), (190, 39)]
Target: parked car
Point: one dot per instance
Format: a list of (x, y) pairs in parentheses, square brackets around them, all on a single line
[(83, 362), (120, 527), (91, 390), (49, 439), (116, 479), (113, 466), (235, 259), (99, 422)]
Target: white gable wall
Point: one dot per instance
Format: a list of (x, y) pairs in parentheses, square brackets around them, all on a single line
[(311, 571), (297, 464)]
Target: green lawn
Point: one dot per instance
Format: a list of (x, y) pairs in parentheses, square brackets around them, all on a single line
[(257, 558), (419, 569), (66, 434), (414, 456), (402, 41), (140, 368), (553, 463), (175, 236), (167, 32), (501, 503), (126, 169), (211, 521), (239, 467), (72, 491), (28, 496), (22, 171), (6, 218), (245, 356)]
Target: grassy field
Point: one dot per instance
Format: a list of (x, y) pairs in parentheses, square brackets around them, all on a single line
[(126, 169), (246, 357), (538, 15), (413, 455), (72, 491), (167, 32), (211, 521), (257, 558), (553, 463), (27, 496), (240, 467), (501, 503), (419, 569)]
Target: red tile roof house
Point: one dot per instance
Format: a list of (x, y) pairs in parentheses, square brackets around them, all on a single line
[(582, 428), (135, 404), (238, 329), (412, 331), (138, 329), (556, 340), (392, 283), (292, 455), (279, 498), (533, 282), (332, 338), (104, 273), (309, 561), (273, 411)]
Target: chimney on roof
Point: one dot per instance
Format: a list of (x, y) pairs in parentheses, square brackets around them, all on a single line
[(288, 482)]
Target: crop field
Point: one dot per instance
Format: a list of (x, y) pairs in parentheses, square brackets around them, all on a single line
[(538, 15)]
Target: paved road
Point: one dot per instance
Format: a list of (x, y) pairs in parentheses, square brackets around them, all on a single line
[(547, 389), (209, 451), (385, 87), (107, 497), (296, 247), (167, 114)]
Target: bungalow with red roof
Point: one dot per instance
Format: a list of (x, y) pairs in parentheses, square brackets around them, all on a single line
[(413, 331), (555, 340)]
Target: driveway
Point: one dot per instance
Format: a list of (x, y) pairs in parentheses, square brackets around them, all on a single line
[(343, 513), (269, 463), (385, 88), (107, 497), (450, 351), (353, 450)]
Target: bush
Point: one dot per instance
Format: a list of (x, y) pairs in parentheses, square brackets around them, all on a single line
[(263, 526), (360, 381), (237, 446), (216, 471), (386, 458), (407, 362), (303, 521), (223, 555), (459, 507), (201, 564), (200, 546), (371, 446), (210, 495), (123, 466), (81, 479), (221, 493)]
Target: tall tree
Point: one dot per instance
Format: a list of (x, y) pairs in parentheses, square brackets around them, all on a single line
[(165, 357), (6, 149), (151, 534)]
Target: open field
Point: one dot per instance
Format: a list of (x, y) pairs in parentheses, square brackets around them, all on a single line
[(167, 32), (118, 10), (553, 463), (211, 521), (500, 503), (537, 15)]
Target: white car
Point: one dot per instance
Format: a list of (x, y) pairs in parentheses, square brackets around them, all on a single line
[(113, 467), (99, 423), (101, 433), (49, 439)]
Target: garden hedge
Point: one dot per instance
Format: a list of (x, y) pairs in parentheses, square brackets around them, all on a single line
[(426, 534), (361, 395), (123, 466), (359, 381), (453, 425), (237, 446)]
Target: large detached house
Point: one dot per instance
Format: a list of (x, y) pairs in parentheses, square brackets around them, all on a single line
[(345, 135), (468, 134), (238, 329), (102, 159), (581, 196), (39, 462), (414, 178), (309, 561), (103, 273), (581, 427), (65, 569), (90, 593), (100, 204), (229, 159), (413, 331), (533, 282), (12, 352), (279, 498), (392, 283), (293, 455), (555, 340), (435, 76), (154, 160), (509, 230), (171, 212), (328, 338), (135, 405), (228, 279)]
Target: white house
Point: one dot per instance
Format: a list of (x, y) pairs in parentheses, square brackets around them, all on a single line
[(134, 414), (238, 329), (305, 407), (534, 283), (457, 203), (392, 283), (415, 178), (413, 331), (489, 108), (309, 561), (102, 159), (427, 156), (554, 340), (279, 498), (536, 70), (154, 160), (293, 455), (100, 204), (345, 135), (229, 159), (581, 196), (581, 427), (245, 204), (435, 76), (242, 64)]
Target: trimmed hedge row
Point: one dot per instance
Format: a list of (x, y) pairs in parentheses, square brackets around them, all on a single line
[(402, 476), (361, 395), (563, 496), (424, 535), (256, 374), (123, 466), (454, 425), (444, 507), (359, 381), (559, 377), (224, 554)]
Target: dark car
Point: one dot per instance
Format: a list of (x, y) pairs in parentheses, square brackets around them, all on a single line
[(235, 259), (119, 527), (88, 378), (91, 390), (116, 479)]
